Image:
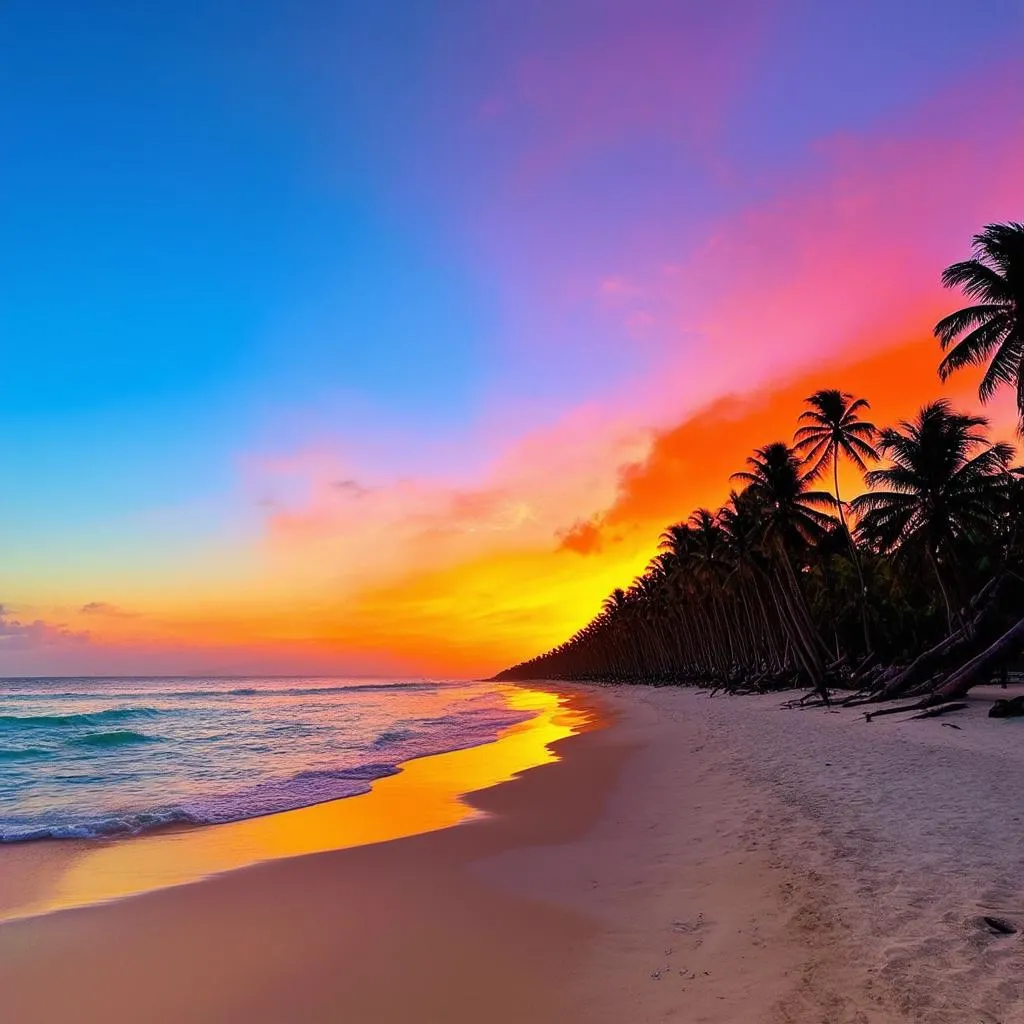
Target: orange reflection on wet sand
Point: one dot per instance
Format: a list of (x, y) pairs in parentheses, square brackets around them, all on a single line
[(426, 795)]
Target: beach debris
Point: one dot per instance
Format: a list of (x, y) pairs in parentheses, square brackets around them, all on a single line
[(941, 710), (686, 927), (929, 708), (1003, 708), (950, 725), (999, 926)]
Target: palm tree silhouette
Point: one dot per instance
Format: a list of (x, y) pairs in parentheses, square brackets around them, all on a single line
[(743, 596), (991, 330), (832, 427), (944, 483), (791, 523), (790, 511)]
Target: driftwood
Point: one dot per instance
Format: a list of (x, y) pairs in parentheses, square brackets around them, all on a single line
[(942, 709), (919, 706)]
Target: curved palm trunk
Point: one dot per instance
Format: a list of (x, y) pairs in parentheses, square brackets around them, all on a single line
[(942, 588)]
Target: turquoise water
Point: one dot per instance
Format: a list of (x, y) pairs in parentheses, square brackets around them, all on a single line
[(101, 757)]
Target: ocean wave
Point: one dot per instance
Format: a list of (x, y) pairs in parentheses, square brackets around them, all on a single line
[(22, 753), (108, 827), (114, 738), (80, 718), (304, 789), (390, 736), (103, 772), (245, 691), (298, 691), (360, 773)]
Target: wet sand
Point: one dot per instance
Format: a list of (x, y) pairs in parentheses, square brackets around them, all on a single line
[(394, 931)]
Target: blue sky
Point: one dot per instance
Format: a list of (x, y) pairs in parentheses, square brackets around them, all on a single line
[(247, 230)]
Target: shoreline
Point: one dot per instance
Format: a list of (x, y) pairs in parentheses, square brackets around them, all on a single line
[(716, 860), (392, 931), (424, 794)]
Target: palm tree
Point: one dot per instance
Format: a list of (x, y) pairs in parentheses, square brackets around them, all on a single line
[(790, 523), (790, 511), (740, 523), (945, 484), (832, 427), (991, 330), (682, 542)]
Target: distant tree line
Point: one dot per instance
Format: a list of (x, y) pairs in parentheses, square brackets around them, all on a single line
[(913, 587)]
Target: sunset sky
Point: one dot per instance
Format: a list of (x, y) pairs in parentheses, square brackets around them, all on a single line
[(386, 337)]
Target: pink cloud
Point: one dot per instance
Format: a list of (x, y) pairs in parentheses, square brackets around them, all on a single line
[(846, 259), (384, 528), (16, 635)]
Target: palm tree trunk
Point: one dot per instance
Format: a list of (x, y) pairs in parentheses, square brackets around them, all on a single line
[(863, 590), (805, 635), (942, 587)]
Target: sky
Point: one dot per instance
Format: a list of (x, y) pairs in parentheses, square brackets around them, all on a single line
[(386, 338)]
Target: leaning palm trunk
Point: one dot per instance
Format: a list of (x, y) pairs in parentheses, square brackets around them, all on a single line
[(981, 666), (798, 608), (771, 633), (898, 683), (797, 643), (805, 636)]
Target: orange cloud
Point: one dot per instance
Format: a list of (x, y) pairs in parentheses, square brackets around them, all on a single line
[(500, 606), (584, 537), (690, 464)]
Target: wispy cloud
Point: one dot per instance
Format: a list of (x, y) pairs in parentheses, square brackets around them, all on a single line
[(106, 609)]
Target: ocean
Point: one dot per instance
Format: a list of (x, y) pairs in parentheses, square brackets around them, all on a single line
[(116, 757)]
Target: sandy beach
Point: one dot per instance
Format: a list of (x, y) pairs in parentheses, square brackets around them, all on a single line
[(697, 859)]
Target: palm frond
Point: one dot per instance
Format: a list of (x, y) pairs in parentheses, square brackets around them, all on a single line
[(977, 281), (975, 347), (1005, 367)]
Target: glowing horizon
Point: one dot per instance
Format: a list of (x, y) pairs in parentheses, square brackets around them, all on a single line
[(366, 342)]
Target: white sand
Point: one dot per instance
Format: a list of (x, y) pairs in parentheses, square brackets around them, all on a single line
[(760, 864)]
